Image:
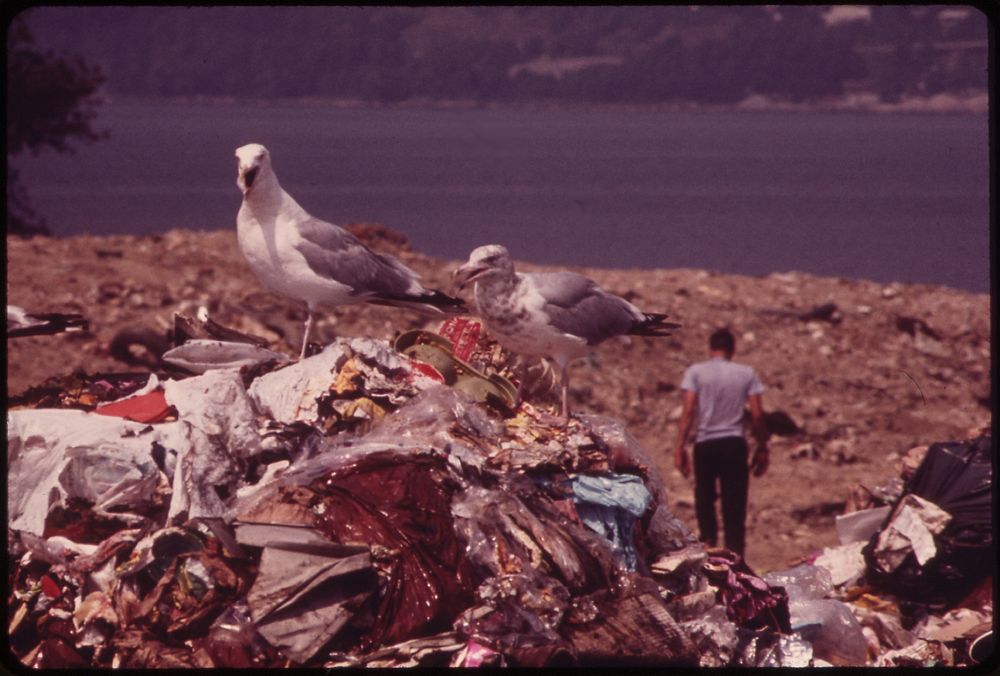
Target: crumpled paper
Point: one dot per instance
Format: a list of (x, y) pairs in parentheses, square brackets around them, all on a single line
[(914, 524), (846, 563)]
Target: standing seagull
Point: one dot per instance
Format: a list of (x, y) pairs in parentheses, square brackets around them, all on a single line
[(301, 257), (559, 315)]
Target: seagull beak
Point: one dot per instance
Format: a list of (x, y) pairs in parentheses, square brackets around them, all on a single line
[(248, 178), (467, 274)]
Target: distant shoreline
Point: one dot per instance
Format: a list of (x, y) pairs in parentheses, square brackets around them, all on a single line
[(973, 104), (118, 241)]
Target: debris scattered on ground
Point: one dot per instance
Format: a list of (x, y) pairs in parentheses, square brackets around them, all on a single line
[(362, 507), (22, 323)]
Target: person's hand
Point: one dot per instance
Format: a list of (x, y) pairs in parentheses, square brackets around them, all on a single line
[(682, 462), (760, 460)]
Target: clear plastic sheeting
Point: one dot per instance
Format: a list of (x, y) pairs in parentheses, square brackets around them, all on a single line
[(441, 417), (831, 628), (503, 535), (768, 649), (516, 612), (885, 626), (625, 453), (792, 652), (714, 636), (802, 582)]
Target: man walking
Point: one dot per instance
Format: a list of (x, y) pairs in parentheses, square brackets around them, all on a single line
[(716, 391)]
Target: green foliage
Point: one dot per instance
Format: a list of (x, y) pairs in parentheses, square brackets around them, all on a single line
[(708, 53), (50, 103)]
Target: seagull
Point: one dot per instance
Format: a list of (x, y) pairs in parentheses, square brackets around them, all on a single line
[(558, 315), (301, 257)]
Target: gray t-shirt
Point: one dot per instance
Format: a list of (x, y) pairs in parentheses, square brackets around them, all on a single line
[(723, 388)]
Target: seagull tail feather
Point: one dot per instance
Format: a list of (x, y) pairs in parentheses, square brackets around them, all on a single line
[(653, 324), (433, 302)]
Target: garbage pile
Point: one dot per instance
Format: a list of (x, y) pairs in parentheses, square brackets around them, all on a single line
[(384, 505), (911, 583)]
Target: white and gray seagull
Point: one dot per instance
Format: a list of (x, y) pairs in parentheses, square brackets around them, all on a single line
[(301, 257), (558, 315)]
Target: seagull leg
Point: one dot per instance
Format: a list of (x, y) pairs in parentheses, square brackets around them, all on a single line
[(305, 335), (523, 375), (565, 395)]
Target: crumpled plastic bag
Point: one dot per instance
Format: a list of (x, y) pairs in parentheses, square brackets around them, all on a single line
[(626, 455), (217, 404), (109, 462), (791, 652), (233, 642), (54, 455), (611, 505), (831, 627)]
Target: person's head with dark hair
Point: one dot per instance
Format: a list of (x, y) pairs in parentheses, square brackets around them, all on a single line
[(722, 341)]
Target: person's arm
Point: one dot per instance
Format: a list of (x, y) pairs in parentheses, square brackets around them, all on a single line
[(681, 459), (760, 459)]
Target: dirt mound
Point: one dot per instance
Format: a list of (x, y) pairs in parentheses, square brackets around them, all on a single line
[(861, 372)]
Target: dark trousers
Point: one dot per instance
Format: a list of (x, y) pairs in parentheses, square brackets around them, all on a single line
[(723, 461)]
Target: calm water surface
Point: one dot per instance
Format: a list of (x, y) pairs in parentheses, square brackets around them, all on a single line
[(882, 197)]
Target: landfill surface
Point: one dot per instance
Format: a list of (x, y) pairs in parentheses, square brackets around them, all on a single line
[(204, 501), (355, 509), (861, 371)]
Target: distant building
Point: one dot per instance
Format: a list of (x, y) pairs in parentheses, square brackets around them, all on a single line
[(847, 13)]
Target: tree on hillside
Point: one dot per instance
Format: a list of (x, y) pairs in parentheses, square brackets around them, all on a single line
[(51, 102)]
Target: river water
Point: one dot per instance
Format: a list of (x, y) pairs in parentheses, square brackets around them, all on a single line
[(886, 197)]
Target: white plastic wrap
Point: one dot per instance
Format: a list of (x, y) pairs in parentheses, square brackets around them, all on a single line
[(55, 454)]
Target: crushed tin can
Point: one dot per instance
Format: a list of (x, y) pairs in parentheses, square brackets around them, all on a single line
[(439, 352)]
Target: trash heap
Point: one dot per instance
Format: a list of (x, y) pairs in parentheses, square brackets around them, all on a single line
[(911, 583), (363, 507)]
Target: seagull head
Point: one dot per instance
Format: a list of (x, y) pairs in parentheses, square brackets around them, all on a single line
[(490, 261), (251, 161)]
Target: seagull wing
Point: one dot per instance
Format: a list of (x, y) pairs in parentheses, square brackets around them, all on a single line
[(334, 253), (576, 305)]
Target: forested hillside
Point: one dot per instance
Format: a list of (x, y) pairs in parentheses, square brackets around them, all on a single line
[(639, 54)]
